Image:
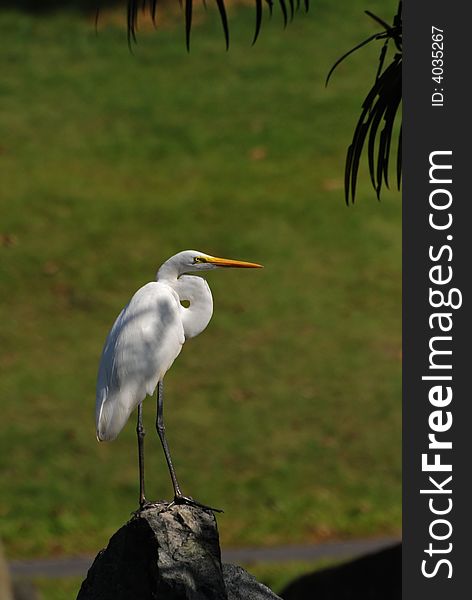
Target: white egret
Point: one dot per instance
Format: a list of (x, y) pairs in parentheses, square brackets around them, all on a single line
[(143, 343)]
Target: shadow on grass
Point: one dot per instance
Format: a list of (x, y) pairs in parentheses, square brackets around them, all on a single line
[(372, 577)]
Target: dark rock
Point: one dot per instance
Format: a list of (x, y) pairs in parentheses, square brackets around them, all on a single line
[(241, 585), (162, 553), (372, 577), (168, 554)]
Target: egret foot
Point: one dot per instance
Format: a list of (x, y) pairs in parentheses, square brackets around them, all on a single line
[(180, 499), (145, 505)]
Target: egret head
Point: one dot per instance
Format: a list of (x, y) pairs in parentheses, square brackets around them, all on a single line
[(190, 261)]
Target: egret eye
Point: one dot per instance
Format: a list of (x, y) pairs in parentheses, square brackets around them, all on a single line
[(198, 259)]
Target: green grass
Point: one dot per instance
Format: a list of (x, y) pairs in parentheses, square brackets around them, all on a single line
[(278, 575), (58, 589), (286, 411)]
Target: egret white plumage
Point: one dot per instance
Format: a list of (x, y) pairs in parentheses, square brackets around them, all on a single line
[(143, 343)]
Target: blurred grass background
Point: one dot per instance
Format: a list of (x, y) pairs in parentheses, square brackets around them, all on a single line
[(286, 410)]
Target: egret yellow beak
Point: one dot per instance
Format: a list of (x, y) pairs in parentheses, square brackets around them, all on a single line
[(227, 262)]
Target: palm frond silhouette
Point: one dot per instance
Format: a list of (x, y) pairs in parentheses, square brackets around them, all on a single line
[(374, 131), (380, 108), (135, 6)]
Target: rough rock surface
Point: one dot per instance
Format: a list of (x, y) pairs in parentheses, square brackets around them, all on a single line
[(241, 585), (168, 553)]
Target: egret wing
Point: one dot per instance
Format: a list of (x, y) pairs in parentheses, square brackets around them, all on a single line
[(143, 343)]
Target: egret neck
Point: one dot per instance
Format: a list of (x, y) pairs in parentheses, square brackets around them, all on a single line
[(193, 290)]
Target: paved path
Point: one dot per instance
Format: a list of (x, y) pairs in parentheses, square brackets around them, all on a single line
[(78, 566)]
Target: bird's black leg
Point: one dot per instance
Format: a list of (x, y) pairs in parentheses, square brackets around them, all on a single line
[(141, 433), (161, 430), (179, 498)]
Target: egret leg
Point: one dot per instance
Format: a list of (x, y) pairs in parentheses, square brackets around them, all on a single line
[(179, 498), (141, 433), (161, 430)]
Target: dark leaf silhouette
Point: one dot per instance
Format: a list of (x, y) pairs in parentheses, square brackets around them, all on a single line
[(188, 22), (380, 109), (375, 129), (135, 6)]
